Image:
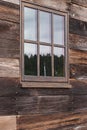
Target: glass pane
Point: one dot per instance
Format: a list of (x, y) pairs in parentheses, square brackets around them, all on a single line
[(58, 29), (30, 59), (45, 61), (45, 27), (59, 62), (30, 24)]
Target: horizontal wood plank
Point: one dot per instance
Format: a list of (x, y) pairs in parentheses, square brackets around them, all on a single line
[(9, 67), (26, 105), (8, 13), (59, 5), (77, 42), (78, 70), (8, 123), (78, 27), (56, 121), (9, 39), (77, 12), (45, 85), (80, 2), (13, 1), (7, 106), (77, 57)]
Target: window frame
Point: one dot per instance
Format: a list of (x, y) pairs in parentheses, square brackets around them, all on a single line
[(42, 79)]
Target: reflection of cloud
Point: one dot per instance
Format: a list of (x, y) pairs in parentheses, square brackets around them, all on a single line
[(30, 26), (30, 23), (58, 29), (30, 49), (44, 50), (45, 26), (58, 51)]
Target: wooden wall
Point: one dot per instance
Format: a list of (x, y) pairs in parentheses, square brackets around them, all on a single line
[(43, 109)]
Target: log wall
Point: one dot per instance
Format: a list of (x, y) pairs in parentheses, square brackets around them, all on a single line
[(46, 108)]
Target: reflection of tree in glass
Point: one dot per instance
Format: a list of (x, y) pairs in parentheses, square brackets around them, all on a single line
[(45, 65), (59, 65), (30, 65)]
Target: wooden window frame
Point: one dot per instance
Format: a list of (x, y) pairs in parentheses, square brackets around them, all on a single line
[(40, 81)]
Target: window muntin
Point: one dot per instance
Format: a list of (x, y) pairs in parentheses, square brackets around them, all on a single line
[(50, 41)]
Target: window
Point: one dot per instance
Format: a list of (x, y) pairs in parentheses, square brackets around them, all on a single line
[(43, 44)]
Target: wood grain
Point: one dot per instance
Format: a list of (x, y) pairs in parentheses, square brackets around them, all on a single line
[(77, 57), (80, 2), (9, 67), (70, 121), (9, 39), (77, 42), (8, 123), (9, 12), (78, 12), (13, 1), (59, 5), (78, 27)]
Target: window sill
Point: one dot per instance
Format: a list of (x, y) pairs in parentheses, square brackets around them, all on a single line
[(45, 85)]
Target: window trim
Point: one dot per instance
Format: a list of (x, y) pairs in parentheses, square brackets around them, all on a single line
[(43, 79)]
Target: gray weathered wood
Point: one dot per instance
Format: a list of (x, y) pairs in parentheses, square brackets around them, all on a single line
[(80, 2), (56, 121), (77, 42), (13, 1), (9, 12), (9, 39)]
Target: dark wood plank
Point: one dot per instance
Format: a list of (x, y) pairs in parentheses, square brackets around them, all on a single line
[(7, 106), (9, 40), (26, 105), (52, 104), (77, 26)]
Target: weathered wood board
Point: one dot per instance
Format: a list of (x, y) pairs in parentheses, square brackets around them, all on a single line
[(80, 2), (77, 57), (77, 42), (67, 121), (8, 123), (9, 12), (9, 67), (13, 1)]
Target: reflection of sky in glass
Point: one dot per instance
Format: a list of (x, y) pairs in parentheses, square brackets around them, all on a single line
[(30, 24), (58, 51), (44, 50), (30, 49), (58, 28), (45, 27)]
